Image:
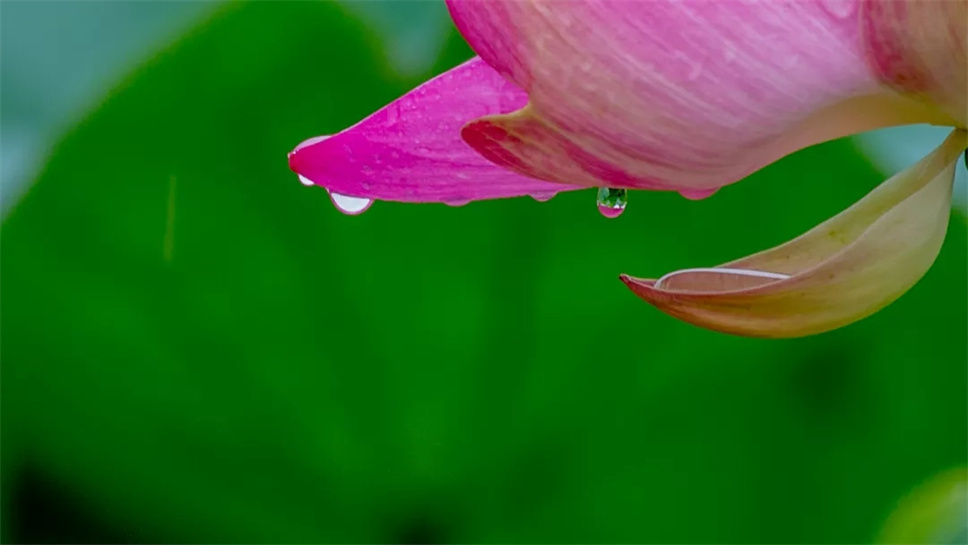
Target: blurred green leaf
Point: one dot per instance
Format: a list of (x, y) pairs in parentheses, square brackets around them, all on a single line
[(412, 31), (934, 513), (283, 373)]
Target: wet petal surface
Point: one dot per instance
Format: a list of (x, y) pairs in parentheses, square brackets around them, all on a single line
[(411, 150)]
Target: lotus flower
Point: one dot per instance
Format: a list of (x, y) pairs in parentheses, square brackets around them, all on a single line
[(685, 96)]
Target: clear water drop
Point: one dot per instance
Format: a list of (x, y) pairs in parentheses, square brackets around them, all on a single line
[(309, 142), (697, 194), (350, 206), (612, 201), (543, 196), (305, 181)]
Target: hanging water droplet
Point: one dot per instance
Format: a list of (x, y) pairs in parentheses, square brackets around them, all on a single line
[(305, 181), (351, 206), (543, 196), (612, 201), (697, 194)]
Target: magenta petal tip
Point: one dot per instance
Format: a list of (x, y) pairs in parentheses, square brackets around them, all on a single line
[(411, 150)]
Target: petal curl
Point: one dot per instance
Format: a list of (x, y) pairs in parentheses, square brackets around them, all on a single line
[(843, 270), (920, 47), (411, 150), (687, 95)]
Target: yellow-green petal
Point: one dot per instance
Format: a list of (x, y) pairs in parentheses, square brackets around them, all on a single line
[(841, 271)]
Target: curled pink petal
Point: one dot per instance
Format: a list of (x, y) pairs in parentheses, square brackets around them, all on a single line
[(685, 95), (920, 48), (411, 150)]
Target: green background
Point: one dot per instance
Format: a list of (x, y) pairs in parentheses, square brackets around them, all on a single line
[(198, 349)]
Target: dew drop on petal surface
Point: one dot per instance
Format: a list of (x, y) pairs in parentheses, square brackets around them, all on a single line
[(612, 201), (350, 205), (697, 194), (543, 196), (309, 142), (305, 181)]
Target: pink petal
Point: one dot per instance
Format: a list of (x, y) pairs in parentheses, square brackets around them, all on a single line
[(411, 150), (688, 95), (920, 47)]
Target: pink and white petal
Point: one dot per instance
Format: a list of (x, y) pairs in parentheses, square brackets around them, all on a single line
[(411, 150), (688, 95), (920, 47)]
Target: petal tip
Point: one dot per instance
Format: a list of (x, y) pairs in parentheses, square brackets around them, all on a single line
[(643, 288)]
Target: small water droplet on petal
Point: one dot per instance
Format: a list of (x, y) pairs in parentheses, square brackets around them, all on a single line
[(543, 196), (309, 142), (306, 181), (350, 206), (697, 194), (612, 201)]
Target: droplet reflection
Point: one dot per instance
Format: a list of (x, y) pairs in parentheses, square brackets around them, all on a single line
[(612, 201)]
